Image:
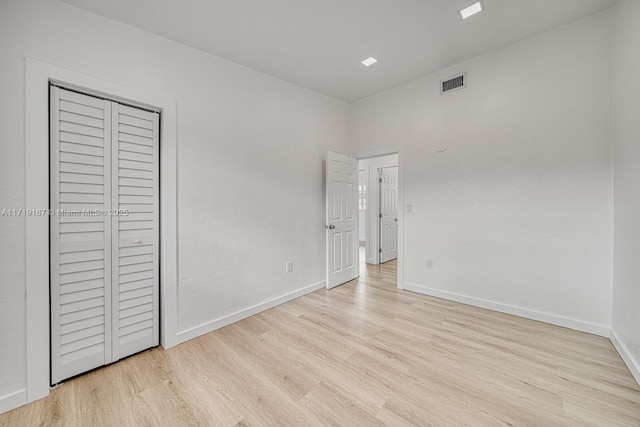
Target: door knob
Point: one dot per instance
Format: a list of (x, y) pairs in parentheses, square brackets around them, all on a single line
[(330, 227)]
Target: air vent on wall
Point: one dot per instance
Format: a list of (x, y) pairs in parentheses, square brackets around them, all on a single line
[(453, 83)]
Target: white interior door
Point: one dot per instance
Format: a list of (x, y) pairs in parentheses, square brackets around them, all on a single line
[(342, 219), (104, 232), (388, 214)]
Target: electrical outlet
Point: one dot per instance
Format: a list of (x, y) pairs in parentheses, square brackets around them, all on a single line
[(429, 264), (409, 209), (289, 266)]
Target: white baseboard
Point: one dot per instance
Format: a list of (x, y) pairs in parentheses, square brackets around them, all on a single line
[(629, 360), (13, 400), (553, 319), (211, 326)]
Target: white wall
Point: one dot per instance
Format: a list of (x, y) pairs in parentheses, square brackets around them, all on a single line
[(250, 165), (626, 288), (516, 214)]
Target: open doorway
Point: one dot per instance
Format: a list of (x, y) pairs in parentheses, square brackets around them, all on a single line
[(375, 200), (378, 202)]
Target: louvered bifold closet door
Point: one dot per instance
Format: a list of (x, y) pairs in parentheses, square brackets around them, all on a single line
[(104, 231), (135, 251), (80, 233)]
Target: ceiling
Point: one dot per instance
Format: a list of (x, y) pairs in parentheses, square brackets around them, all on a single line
[(318, 44)]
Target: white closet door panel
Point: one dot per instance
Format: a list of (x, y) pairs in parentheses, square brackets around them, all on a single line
[(78, 98), (70, 288), (81, 227), (140, 326), (136, 200), (135, 121), (80, 119), (75, 138), (133, 277), (140, 237), (135, 165), (85, 110), (135, 251), (138, 148), (83, 316), (126, 110), (133, 130), (135, 268), (80, 219), (125, 304), (135, 139), (104, 269), (74, 247), (136, 259), (136, 191), (74, 207), (81, 178), (136, 208), (73, 257), (73, 327), (83, 295), (83, 334), (137, 225), (81, 159), (80, 244), (137, 216), (73, 147), (85, 237), (77, 183), (136, 318), (138, 284), (134, 173), (136, 293), (136, 182), (82, 276), (138, 309), (80, 307), (75, 267), (82, 198), (82, 169), (74, 353), (81, 129), (136, 156)]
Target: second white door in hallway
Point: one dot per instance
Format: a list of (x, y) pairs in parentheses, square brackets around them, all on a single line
[(388, 214)]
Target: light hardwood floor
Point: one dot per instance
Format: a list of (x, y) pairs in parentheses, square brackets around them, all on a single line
[(361, 354)]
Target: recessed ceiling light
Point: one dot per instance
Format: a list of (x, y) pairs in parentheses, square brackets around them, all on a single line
[(469, 11), (369, 61)]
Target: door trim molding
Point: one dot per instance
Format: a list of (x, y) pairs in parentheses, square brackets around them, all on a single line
[(38, 74), (399, 150)]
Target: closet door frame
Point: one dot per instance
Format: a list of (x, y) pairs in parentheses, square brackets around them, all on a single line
[(37, 79)]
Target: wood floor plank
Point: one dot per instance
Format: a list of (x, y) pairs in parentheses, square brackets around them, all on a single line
[(363, 353)]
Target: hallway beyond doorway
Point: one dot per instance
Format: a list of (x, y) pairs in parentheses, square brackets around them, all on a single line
[(383, 273)]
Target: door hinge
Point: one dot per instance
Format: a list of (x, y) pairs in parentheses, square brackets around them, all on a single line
[(380, 215), (380, 250), (380, 180)]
